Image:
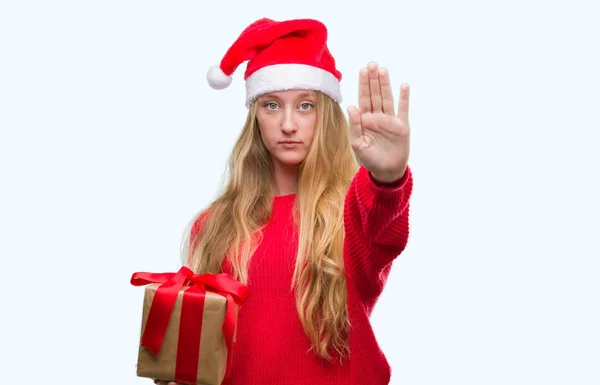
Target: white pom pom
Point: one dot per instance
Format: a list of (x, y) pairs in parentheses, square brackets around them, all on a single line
[(217, 78)]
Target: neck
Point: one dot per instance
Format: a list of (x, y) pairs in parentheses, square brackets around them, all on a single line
[(285, 178)]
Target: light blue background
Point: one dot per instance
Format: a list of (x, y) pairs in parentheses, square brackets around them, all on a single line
[(111, 140)]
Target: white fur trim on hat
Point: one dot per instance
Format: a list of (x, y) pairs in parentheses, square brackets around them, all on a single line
[(281, 77)]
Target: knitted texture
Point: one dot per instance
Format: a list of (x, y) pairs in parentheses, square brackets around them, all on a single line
[(271, 346)]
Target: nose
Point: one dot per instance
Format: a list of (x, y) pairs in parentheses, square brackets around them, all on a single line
[(288, 125)]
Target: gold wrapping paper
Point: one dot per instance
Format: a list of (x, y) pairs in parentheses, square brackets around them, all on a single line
[(212, 362)]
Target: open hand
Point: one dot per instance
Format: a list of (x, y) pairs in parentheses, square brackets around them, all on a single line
[(379, 136)]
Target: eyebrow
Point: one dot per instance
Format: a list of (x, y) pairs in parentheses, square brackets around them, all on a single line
[(302, 95)]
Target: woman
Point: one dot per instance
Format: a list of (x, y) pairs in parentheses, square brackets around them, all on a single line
[(314, 212)]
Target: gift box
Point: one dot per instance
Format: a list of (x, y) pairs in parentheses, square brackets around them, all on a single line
[(188, 325)]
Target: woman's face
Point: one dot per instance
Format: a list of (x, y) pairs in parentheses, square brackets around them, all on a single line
[(287, 121)]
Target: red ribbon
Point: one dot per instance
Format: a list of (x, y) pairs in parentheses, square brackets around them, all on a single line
[(192, 310)]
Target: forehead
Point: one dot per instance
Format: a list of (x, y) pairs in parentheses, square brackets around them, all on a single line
[(289, 95)]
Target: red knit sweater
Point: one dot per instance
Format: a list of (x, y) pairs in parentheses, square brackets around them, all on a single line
[(271, 347)]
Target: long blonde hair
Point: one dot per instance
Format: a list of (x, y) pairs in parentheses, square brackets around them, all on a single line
[(244, 207)]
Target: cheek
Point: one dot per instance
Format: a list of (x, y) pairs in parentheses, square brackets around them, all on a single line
[(310, 126), (266, 129)]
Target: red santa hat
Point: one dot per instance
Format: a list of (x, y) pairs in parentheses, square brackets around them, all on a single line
[(283, 55)]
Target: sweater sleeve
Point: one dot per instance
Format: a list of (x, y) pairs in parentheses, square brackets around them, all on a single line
[(377, 228)]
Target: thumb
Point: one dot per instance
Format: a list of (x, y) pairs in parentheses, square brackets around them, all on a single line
[(355, 123)]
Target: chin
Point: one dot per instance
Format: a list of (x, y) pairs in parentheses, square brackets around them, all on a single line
[(290, 160)]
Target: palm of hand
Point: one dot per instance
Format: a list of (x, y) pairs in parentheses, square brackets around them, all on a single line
[(379, 137)]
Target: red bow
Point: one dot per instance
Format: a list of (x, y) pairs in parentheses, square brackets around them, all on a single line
[(192, 309)]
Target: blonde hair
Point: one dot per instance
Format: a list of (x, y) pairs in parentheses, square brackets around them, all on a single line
[(243, 209)]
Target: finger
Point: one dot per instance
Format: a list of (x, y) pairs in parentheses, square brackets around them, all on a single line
[(355, 124), (386, 92), (374, 87), (364, 96), (403, 103)]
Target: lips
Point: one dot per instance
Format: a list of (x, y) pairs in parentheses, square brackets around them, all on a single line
[(289, 144)]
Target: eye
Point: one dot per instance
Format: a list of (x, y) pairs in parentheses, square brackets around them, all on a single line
[(306, 106), (271, 106)]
